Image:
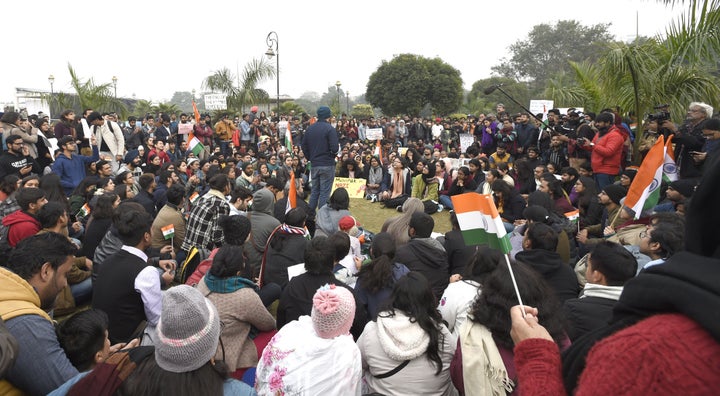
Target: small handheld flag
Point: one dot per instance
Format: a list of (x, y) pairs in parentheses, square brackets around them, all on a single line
[(168, 231)]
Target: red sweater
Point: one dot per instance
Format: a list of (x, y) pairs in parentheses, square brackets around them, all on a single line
[(607, 152), (666, 354)]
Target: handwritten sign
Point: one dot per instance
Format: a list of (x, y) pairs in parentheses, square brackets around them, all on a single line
[(185, 129), (354, 187), (374, 134), (466, 140), (216, 101)]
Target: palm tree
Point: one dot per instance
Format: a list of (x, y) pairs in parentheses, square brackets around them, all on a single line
[(97, 97), (242, 90)]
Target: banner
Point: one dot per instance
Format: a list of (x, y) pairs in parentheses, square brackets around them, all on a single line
[(354, 187), (374, 134)]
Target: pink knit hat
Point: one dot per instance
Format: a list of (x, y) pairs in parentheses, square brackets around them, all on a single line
[(333, 311)]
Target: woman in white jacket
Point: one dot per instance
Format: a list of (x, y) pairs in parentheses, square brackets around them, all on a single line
[(408, 350)]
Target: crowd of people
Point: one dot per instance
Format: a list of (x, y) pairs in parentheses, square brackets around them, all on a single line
[(228, 264)]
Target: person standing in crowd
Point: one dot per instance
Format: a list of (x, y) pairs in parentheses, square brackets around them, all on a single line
[(70, 166), (110, 139), (320, 145)]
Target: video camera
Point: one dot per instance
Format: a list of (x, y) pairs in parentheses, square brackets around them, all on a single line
[(659, 116)]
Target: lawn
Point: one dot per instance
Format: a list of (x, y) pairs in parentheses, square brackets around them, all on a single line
[(372, 216)]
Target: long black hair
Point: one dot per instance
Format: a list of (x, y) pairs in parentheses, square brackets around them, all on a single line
[(377, 274), (149, 379), (339, 199), (413, 296), (492, 307), (484, 262)]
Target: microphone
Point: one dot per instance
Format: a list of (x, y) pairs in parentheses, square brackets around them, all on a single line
[(492, 89)]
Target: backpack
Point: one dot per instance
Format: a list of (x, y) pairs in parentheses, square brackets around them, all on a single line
[(201, 270), (192, 261)]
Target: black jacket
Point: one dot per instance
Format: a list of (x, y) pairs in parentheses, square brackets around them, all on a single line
[(458, 254), (558, 275), (586, 314), (427, 256)]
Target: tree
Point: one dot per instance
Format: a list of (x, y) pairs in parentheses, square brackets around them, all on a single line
[(408, 82), (88, 95), (183, 100), (548, 48), (478, 102), (362, 111), (291, 106), (242, 90)]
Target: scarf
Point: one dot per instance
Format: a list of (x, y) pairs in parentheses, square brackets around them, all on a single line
[(107, 377), (602, 291), (227, 285), (484, 372), (375, 175), (288, 229), (397, 189)]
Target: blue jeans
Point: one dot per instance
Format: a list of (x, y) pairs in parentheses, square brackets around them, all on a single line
[(603, 180), (446, 202), (82, 292), (322, 179)]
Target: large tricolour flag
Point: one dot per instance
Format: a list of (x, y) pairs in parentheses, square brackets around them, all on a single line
[(194, 144), (645, 189), (480, 222)]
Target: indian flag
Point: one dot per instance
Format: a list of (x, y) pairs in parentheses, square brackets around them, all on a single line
[(573, 216), (288, 139), (669, 167), (168, 231), (480, 222), (645, 189), (194, 145), (194, 197), (378, 151), (84, 211)]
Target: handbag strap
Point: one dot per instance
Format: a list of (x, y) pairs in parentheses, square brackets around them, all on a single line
[(393, 371)]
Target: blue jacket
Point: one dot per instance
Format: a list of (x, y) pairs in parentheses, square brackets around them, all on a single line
[(72, 170), (320, 144)]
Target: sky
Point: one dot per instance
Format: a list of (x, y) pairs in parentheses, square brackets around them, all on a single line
[(156, 48)]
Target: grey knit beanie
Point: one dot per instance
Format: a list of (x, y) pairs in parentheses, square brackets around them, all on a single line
[(188, 330)]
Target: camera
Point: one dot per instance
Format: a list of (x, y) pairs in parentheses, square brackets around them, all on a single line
[(660, 116), (581, 141)]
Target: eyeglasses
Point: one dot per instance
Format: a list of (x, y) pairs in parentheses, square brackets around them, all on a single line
[(643, 235)]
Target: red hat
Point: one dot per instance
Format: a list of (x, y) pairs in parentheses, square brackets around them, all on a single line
[(347, 222), (254, 109)]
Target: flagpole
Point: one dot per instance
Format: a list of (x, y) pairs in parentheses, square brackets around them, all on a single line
[(514, 282)]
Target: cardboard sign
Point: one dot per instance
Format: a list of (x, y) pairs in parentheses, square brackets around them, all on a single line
[(216, 101), (374, 134), (466, 140), (354, 187), (185, 129)]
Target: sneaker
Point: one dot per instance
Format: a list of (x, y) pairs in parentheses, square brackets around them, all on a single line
[(399, 208), (373, 198), (440, 208)]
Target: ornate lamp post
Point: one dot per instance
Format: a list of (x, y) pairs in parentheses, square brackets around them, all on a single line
[(114, 80), (337, 85), (272, 38), (51, 79)]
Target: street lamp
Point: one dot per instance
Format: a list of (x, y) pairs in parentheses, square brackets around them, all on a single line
[(347, 102), (338, 84), (51, 79), (272, 38), (114, 80)]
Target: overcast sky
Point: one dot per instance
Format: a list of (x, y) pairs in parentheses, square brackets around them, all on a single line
[(158, 47)]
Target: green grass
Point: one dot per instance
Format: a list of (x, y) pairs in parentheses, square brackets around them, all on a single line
[(372, 216)]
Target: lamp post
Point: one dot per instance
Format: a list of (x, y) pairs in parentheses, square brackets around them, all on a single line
[(114, 80), (347, 103), (51, 79), (337, 85), (272, 38)]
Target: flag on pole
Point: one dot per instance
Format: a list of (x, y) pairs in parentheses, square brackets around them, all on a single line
[(292, 194), (645, 188), (288, 139), (197, 113), (194, 144), (378, 151), (168, 231), (480, 222), (669, 167), (573, 216)]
